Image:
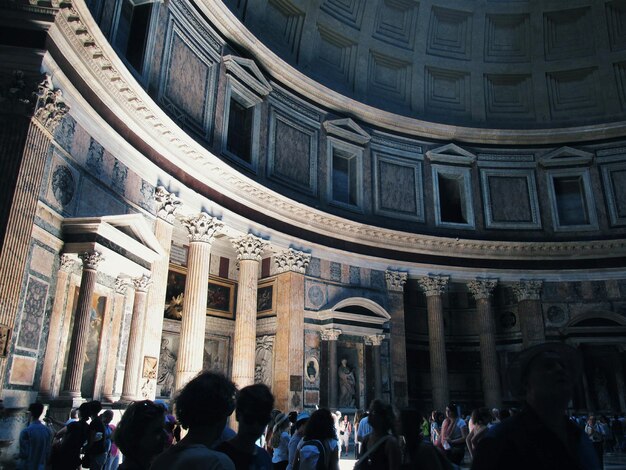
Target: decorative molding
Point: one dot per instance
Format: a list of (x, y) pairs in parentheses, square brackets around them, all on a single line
[(247, 73), (482, 288), (142, 283), (451, 153), (565, 156), (292, 260), (528, 290), (374, 340), (202, 228), (348, 130), (91, 259), (330, 334), (249, 247), (395, 280), (50, 107), (433, 285), (167, 204)]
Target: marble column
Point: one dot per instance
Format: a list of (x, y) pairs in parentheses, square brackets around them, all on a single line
[(290, 267), (202, 230), (397, 337), (50, 362), (249, 249), (482, 290), (80, 332), (331, 335), (528, 294), (132, 370), (434, 287), (121, 285), (166, 204), (374, 341)]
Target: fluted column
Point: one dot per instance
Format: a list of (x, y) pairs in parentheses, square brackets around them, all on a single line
[(121, 285), (132, 371), (331, 335), (482, 290), (290, 266), (397, 334), (80, 332), (249, 249), (46, 387), (528, 293), (167, 204), (434, 287), (374, 341), (202, 230)]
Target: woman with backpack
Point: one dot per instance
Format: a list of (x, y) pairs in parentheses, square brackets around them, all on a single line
[(318, 449), (381, 449)]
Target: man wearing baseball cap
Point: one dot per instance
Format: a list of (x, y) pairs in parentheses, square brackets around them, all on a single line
[(541, 436)]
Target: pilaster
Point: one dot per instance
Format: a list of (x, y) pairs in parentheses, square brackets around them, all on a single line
[(331, 335), (528, 294), (395, 296)]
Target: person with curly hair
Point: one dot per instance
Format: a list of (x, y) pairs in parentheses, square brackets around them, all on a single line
[(319, 442), (202, 407)]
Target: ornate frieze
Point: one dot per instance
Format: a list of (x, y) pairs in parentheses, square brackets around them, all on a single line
[(482, 288), (202, 228), (330, 334), (528, 290), (50, 107), (91, 259), (292, 260), (142, 283), (374, 340), (166, 204), (395, 280), (249, 247), (433, 285)]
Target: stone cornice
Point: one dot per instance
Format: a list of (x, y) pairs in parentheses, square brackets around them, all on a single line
[(80, 42)]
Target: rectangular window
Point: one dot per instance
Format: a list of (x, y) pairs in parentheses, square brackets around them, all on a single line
[(344, 178), (452, 204), (239, 136), (131, 37), (571, 204)]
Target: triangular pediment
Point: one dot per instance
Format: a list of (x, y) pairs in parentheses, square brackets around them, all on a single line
[(348, 130), (566, 156), (248, 73), (451, 153)]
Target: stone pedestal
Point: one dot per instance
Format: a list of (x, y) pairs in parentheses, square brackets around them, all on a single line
[(395, 297), (202, 230), (108, 392), (132, 371), (249, 249), (80, 332), (434, 287), (374, 341), (528, 295), (331, 335), (482, 289)]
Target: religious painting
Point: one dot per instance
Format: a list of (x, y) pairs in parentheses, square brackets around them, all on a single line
[(265, 300), (149, 370), (215, 354), (220, 298), (175, 292)]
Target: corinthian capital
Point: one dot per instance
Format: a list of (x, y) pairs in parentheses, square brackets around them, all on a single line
[(374, 340), (121, 284), (330, 334), (482, 288), (528, 290), (67, 263), (142, 283), (292, 260), (433, 285), (395, 280), (91, 259), (202, 228), (167, 203), (50, 107), (249, 247)]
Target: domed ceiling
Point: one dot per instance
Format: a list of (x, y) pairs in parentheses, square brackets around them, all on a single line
[(492, 64)]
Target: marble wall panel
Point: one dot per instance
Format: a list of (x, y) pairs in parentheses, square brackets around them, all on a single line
[(316, 295), (62, 185), (95, 201), (22, 370), (33, 314)]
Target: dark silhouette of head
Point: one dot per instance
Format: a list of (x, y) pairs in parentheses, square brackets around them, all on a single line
[(321, 425), (35, 410), (382, 417), (140, 433), (254, 409)]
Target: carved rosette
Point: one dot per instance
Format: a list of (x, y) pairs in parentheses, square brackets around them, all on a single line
[(292, 260), (330, 334), (528, 290), (202, 228), (434, 285), (482, 288), (166, 204), (91, 259), (374, 340), (395, 280), (249, 247), (142, 283), (121, 285), (68, 262), (50, 107)]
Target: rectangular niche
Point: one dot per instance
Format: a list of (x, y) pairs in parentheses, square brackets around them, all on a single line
[(345, 188), (453, 197), (571, 200), (398, 187), (510, 198), (614, 179)]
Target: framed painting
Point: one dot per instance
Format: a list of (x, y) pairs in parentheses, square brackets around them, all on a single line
[(266, 299), (175, 292), (221, 298)]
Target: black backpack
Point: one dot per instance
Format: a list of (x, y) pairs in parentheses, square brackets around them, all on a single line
[(323, 460)]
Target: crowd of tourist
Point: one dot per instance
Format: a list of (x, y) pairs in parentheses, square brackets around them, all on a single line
[(539, 435)]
